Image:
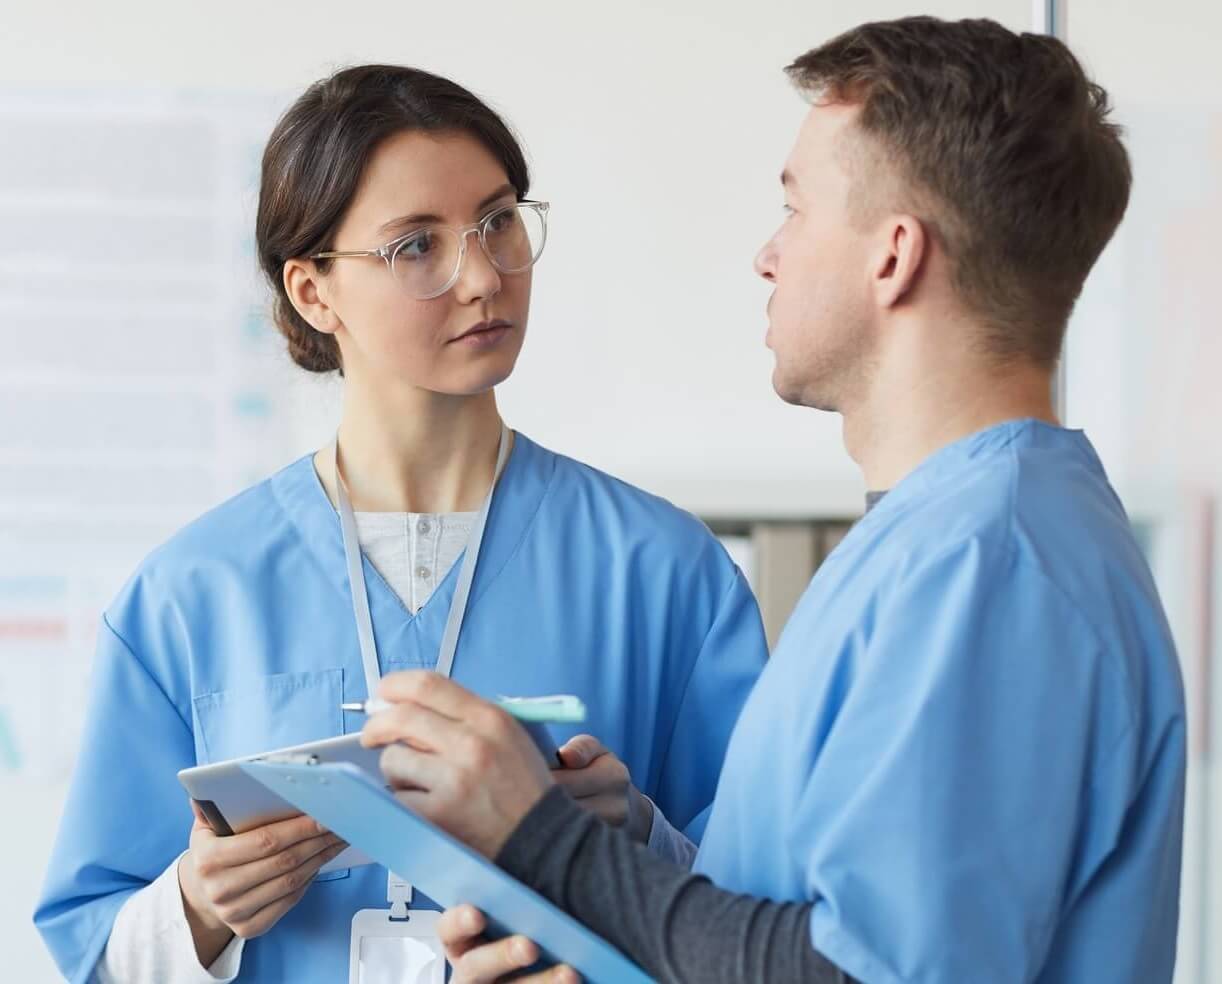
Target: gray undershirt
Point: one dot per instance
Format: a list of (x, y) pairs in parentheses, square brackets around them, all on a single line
[(675, 925), (873, 499)]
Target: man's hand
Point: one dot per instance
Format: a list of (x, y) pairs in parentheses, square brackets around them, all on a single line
[(456, 759), (476, 961)]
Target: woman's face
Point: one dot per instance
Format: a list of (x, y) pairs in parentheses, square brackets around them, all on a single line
[(466, 340)]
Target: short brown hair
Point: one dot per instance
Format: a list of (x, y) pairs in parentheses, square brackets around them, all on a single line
[(316, 156), (1007, 144)]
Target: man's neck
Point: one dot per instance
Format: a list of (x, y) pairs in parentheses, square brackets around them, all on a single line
[(898, 426), (418, 451)]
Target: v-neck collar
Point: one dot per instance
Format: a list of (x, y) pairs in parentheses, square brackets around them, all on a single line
[(519, 493)]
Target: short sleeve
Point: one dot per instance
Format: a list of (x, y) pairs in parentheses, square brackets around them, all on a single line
[(731, 656)]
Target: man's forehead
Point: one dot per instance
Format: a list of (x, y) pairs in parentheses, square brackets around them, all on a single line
[(822, 130)]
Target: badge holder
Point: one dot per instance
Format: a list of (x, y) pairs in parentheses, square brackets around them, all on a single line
[(396, 945)]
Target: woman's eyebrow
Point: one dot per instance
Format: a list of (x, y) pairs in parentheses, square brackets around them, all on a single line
[(423, 217)]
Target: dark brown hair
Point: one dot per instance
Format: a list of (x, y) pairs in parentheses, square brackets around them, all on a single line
[(317, 154), (1006, 143)]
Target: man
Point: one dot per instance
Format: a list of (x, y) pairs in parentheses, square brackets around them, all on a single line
[(965, 761)]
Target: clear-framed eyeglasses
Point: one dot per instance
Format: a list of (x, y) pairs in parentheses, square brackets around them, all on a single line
[(427, 261)]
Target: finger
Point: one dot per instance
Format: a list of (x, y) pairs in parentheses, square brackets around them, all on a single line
[(407, 768), (263, 842), (264, 919), (593, 780), (579, 752), (553, 975), (230, 885), (427, 804), (431, 690), (415, 724), (284, 885), (459, 929), (492, 961)]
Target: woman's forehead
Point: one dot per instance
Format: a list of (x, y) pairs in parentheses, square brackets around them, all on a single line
[(450, 177)]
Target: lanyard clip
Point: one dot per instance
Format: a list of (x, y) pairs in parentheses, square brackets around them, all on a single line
[(398, 894)]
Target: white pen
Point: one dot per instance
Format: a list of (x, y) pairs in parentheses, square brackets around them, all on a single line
[(373, 706)]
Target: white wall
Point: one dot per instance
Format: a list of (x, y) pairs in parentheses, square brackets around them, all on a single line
[(674, 118)]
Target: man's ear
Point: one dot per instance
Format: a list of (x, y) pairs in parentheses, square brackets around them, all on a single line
[(901, 255)]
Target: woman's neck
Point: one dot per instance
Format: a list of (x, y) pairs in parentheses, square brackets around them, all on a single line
[(422, 452)]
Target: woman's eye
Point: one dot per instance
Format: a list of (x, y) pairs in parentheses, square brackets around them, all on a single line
[(501, 221), (418, 246)]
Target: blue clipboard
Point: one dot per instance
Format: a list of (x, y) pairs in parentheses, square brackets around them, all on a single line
[(349, 803)]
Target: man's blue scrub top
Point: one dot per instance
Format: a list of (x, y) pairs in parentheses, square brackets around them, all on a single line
[(968, 749)]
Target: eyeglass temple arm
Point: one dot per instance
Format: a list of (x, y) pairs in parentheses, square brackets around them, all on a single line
[(336, 254)]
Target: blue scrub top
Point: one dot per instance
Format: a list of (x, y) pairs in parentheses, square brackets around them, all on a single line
[(973, 733), (238, 636)]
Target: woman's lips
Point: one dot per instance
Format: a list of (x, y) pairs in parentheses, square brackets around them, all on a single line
[(484, 334)]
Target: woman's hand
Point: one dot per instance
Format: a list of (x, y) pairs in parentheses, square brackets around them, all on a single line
[(242, 885), (456, 759), (599, 781), (476, 961)]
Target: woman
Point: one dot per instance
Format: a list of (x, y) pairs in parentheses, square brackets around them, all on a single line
[(395, 230)]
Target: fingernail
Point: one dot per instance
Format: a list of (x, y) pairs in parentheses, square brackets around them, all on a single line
[(469, 922), (521, 951)]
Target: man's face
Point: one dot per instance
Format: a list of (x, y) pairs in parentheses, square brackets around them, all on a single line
[(820, 316)]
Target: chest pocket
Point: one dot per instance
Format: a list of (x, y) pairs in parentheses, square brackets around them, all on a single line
[(269, 712)]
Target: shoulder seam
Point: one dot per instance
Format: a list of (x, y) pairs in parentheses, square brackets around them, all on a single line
[(140, 663)]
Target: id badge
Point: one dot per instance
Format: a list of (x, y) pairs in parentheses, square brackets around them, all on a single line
[(396, 951)]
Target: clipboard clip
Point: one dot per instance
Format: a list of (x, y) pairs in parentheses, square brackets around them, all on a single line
[(290, 758)]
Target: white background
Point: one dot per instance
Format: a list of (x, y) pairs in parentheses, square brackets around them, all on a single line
[(141, 385)]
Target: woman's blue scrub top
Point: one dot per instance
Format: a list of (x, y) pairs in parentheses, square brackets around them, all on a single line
[(237, 636)]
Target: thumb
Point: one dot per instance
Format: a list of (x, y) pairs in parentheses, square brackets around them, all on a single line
[(577, 753)]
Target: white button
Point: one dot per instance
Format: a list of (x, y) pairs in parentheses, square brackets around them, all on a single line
[(423, 573), (423, 527)]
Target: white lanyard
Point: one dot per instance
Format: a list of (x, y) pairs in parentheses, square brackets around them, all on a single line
[(399, 892)]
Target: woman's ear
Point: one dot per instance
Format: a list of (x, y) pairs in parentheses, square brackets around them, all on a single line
[(307, 292)]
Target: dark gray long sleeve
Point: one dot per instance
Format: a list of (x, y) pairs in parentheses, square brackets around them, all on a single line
[(675, 925)]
